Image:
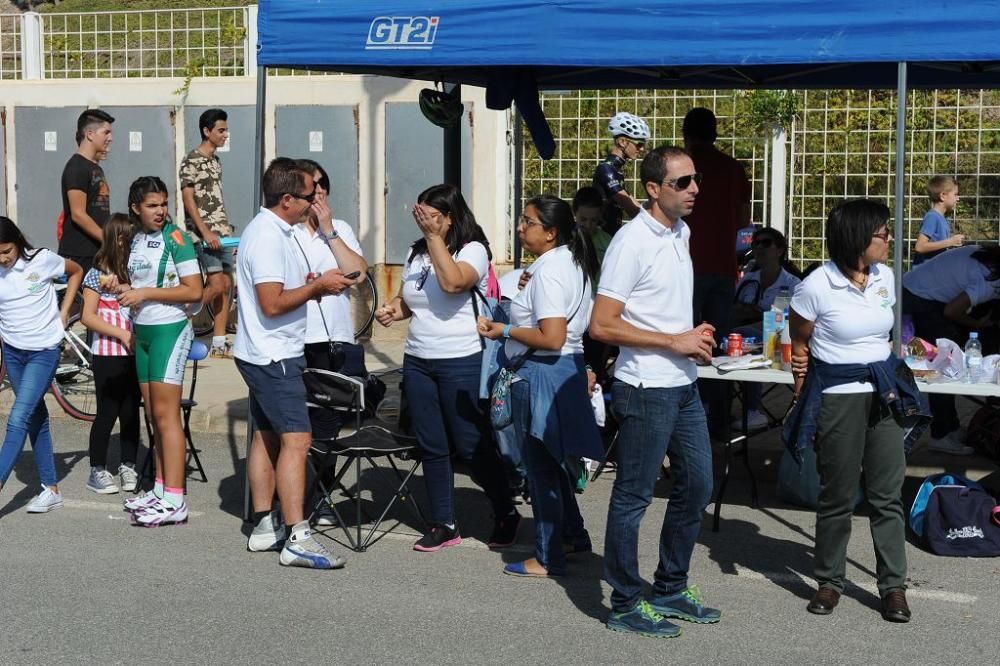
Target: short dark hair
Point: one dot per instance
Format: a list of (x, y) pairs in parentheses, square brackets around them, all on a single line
[(314, 166), (654, 164), (588, 196), (700, 124), (849, 230), (283, 176), (208, 119), (90, 119)]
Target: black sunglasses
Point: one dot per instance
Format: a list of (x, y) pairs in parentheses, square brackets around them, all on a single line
[(311, 197), (684, 182), (423, 277), (763, 242)]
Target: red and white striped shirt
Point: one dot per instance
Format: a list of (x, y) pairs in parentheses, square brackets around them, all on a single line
[(110, 311)]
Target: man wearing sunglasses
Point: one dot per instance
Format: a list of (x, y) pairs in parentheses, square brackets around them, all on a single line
[(723, 209), (630, 134)]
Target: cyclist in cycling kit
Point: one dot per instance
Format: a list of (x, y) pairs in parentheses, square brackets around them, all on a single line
[(165, 277), (630, 134), (31, 325)]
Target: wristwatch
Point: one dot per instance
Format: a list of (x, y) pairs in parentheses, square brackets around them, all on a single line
[(506, 331)]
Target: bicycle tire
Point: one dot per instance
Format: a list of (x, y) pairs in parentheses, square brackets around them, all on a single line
[(73, 385), (367, 291)]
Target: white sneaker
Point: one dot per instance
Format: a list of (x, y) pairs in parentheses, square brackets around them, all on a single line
[(756, 420), (45, 501), (951, 444), (309, 553), (269, 534), (325, 517), (128, 478), (160, 514), (140, 502), (101, 481)]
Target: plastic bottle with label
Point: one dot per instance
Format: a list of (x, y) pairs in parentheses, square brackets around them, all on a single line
[(973, 358)]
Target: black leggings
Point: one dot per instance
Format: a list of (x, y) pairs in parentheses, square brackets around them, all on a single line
[(118, 399)]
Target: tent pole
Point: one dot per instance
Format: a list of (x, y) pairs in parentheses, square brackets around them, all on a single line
[(518, 181), (897, 328), (258, 151), (453, 145)]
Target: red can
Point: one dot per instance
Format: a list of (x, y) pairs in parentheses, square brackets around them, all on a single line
[(734, 346)]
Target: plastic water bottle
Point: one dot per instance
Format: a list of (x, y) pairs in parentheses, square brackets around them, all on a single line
[(973, 358), (782, 301)]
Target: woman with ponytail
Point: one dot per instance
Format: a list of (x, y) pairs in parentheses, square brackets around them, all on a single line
[(553, 419)]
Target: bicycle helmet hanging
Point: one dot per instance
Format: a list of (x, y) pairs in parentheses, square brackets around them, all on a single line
[(441, 108), (626, 124)]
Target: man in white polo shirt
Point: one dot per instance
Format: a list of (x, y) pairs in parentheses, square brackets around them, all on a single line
[(270, 343), (644, 306)]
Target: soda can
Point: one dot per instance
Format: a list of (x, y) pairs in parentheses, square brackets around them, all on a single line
[(734, 345)]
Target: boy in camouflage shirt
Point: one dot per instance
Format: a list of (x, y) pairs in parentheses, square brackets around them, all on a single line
[(205, 212)]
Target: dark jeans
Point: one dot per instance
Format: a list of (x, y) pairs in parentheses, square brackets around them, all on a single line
[(930, 324), (553, 499), (713, 302), (654, 421), (30, 374), (118, 397), (848, 444), (446, 412)]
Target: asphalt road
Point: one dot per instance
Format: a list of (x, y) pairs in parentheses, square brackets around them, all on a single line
[(80, 585)]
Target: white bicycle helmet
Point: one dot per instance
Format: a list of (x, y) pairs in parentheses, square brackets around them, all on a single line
[(626, 124)]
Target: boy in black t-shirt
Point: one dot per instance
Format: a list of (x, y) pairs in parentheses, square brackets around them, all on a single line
[(86, 198)]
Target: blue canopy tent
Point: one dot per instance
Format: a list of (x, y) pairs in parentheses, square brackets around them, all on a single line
[(514, 48)]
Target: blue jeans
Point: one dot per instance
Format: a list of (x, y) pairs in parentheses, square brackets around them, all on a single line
[(447, 413), (654, 421), (553, 499), (30, 374)]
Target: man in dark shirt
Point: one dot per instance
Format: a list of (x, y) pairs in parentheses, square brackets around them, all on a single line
[(722, 210), (86, 199), (630, 134)]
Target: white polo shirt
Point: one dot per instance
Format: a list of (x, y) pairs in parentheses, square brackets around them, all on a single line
[(334, 309), (851, 326), (944, 278), (648, 268), (557, 289), (267, 253), (443, 325), (29, 314)]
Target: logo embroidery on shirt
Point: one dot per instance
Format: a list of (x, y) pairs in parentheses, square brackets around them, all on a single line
[(178, 237), (153, 244)]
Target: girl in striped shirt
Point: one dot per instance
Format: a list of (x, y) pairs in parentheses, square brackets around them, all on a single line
[(115, 380)]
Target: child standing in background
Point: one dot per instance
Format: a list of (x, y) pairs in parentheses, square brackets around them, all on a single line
[(935, 231)]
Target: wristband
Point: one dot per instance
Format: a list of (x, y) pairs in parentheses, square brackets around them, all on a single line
[(506, 331)]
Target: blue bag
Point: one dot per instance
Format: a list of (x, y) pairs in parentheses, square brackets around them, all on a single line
[(493, 355), (919, 507), (959, 522)]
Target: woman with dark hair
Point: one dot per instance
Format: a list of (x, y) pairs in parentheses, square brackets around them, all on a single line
[(853, 397), (31, 327), (939, 295), (550, 401), (163, 278), (772, 271), (442, 360)]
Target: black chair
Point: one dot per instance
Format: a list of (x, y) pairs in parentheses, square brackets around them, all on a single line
[(346, 395)]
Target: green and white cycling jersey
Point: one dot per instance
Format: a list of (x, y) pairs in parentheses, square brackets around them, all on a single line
[(160, 260)]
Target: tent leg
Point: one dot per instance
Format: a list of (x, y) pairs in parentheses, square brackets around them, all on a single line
[(453, 146), (897, 328), (258, 155), (518, 181)]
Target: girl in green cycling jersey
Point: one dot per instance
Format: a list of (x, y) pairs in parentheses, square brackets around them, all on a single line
[(164, 277)]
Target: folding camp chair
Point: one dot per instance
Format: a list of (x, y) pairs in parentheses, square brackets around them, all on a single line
[(331, 390)]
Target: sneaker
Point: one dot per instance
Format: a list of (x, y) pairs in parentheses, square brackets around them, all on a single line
[(101, 481), (309, 553), (45, 501), (127, 477), (756, 420), (221, 351), (643, 620), (439, 537), (950, 444), (140, 502), (687, 606), (325, 517), (160, 514), (505, 531), (269, 534)]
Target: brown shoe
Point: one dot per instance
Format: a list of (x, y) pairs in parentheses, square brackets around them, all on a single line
[(824, 601), (895, 608)]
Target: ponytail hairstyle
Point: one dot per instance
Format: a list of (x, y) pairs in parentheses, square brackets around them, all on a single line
[(116, 244), (447, 200), (142, 187), (11, 233), (554, 213)]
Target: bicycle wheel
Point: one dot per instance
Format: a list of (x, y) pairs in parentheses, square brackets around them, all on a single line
[(365, 304), (73, 385)]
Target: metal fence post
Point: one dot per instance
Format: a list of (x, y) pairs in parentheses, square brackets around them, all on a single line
[(779, 171), (250, 43), (31, 46)]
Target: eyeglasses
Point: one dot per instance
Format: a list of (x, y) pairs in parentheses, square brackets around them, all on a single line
[(640, 145), (763, 242), (423, 277), (684, 182), (885, 235), (525, 221), (311, 197)]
